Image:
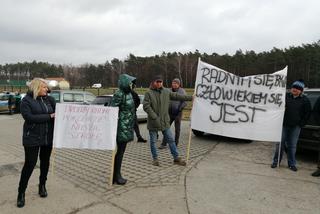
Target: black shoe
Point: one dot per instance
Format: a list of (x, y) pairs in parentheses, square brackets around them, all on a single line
[(141, 140), (274, 165), (316, 173), (42, 191), (293, 168), (119, 181), (162, 147), (20, 200), (179, 161)]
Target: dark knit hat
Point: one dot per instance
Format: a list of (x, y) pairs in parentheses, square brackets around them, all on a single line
[(157, 77), (299, 84), (176, 80)]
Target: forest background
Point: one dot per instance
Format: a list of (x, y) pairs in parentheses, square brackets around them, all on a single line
[(303, 63)]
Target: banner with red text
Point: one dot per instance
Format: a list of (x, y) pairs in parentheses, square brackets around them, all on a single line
[(250, 107), (85, 127)]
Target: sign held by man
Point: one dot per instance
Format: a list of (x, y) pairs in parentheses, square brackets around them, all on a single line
[(250, 107)]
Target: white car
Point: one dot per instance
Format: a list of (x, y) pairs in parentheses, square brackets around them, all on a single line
[(96, 85), (141, 114)]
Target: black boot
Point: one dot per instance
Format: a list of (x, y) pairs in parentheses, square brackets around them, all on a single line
[(117, 178), (20, 199), (43, 191), (141, 140)]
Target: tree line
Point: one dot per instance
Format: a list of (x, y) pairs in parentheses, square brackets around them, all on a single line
[(303, 63)]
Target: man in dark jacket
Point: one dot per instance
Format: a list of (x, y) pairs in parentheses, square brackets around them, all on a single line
[(136, 100), (156, 104), (316, 110), (296, 115), (175, 111)]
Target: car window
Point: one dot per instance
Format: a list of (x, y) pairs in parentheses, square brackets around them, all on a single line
[(90, 98), (313, 96), (56, 96), (68, 97), (102, 100), (78, 97)]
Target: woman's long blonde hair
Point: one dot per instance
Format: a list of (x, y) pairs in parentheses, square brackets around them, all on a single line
[(35, 86)]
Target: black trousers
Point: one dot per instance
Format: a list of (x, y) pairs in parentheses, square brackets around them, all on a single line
[(136, 127), (31, 156), (121, 148)]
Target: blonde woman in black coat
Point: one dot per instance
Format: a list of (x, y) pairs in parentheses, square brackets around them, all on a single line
[(38, 112)]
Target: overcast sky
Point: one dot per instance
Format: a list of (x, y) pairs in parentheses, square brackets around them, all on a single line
[(93, 31)]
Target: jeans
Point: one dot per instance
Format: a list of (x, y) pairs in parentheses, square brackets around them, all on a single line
[(168, 138), (177, 127), (289, 140)]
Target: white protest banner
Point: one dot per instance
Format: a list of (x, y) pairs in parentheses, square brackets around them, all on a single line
[(249, 107), (85, 127)]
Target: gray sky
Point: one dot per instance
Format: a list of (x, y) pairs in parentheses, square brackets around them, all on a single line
[(93, 31)]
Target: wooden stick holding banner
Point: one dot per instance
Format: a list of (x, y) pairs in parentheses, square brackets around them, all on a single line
[(189, 144), (112, 167), (190, 129), (53, 160)]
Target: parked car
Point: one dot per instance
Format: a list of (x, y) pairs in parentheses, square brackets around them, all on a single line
[(4, 98), (96, 85), (102, 100), (105, 100), (310, 134), (72, 96), (141, 114)]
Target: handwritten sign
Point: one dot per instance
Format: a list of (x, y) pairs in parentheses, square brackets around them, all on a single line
[(249, 107), (85, 127)]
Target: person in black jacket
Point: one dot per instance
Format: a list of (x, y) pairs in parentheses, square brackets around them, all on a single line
[(136, 100), (296, 115), (38, 111), (10, 102), (316, 110)]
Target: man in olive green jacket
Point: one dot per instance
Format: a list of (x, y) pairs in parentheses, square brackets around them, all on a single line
[(156, 104)]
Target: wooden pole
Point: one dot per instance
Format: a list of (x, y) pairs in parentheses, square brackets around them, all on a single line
[(53, 160), (189, 142), (112, 167)]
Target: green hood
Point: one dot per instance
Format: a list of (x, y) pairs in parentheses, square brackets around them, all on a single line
[(124, 82)]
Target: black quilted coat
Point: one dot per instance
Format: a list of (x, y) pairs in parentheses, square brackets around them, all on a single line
[(38, 126)]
